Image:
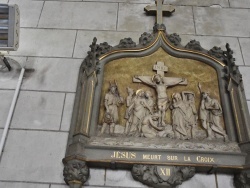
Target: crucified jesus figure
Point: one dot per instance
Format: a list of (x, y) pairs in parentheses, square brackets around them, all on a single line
[(161, 84)]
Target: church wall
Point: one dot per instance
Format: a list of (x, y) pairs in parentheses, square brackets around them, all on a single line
[(55, 36)]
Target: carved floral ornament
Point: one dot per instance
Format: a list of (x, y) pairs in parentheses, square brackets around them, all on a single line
[(143, 107)]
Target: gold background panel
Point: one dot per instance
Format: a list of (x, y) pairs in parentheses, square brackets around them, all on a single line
[(122, 70)]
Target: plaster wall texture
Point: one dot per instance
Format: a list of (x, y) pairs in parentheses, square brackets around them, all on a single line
[(55, 35)]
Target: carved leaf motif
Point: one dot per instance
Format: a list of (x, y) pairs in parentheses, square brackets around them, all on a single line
[(103, 48), (145, 38), (232, 70), (158, 27), (194, 45), (216, 52), (126, 43), (91, 61), (174, 39)]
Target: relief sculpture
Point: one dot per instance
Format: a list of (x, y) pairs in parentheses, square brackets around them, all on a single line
[(138, 109), (160, 84), (184, 115), (210, 114), (145, 112), (178, 117), (112, 101), (159, 122), (128, 115)]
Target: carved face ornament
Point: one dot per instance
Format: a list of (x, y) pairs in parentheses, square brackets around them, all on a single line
[(148, 94), (190, 96), (113, 89), (140, 93), (205, 95), (157, 79), (130, 90)]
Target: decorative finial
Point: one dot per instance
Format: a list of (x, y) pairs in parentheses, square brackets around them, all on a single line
[(159, 8)]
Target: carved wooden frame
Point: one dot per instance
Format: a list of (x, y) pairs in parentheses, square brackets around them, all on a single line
[(79, 156)]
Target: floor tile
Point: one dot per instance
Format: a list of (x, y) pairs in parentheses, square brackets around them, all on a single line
[(1, 133), (96, 178), (38, 110), (52, 74), (240, 3), (246, 80), (131, 17), (46, 42), (223, 22), (223, 3), (85, 186), (59, 186), (9, 79), (121, 178), (225, 181), (59, 0), (85, 38), (6, 100), (79, 15), (126, 1), (245, 47), (33, 156), (28, 16), (22, 185), (67, 111), (200, 180)]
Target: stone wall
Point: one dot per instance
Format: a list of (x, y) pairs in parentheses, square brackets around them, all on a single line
[(55, 36)]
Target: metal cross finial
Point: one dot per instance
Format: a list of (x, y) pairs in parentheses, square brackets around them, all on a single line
[(159, 8)]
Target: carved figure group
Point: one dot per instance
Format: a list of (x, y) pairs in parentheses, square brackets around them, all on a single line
[(146, 118), (150, 128), (160, 86), (138, 109)]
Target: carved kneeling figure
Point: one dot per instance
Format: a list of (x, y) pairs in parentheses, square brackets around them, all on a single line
[(108, 121), (150, 129)]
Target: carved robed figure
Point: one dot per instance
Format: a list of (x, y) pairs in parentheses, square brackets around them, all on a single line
[(112, 101)]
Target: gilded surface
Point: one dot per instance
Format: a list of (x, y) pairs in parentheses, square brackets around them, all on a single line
[(122, 70)]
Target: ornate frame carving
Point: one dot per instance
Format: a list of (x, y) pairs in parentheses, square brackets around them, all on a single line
[(80, 154)]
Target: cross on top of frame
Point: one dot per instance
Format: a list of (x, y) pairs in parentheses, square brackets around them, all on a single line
[(159, 8)]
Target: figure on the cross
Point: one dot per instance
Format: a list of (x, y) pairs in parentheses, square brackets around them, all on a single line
[(160, 84)]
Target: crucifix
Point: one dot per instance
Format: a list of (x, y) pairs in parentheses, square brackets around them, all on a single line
[(159, 8), (160, 83)]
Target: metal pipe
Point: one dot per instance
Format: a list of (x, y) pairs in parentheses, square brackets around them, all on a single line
[(12, 107)]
